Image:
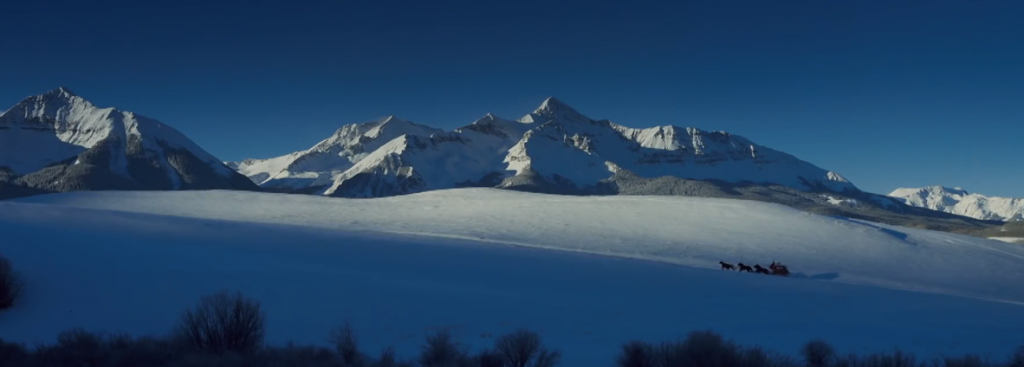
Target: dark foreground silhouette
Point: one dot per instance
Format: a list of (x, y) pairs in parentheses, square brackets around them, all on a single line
[(227, 330)]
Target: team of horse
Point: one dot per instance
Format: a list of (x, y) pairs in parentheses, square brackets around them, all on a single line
[(773, 269)]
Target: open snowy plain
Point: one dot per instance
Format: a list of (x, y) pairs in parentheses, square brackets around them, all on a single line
[(480, 262)]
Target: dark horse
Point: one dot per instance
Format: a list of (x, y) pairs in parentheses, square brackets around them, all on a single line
[(761, 270), (726, 266), (745, 268)]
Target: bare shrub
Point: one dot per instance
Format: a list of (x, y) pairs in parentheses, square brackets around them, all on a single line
[(489, 358), (387, 358), (896, 359), (10, 285), (344, 341), (74, 347), (222, 323), (702, 348), (523, 348), (705, 348), (818, 353), (291, 355), (636, 354), (1017, 359), (12, 354), (757, 357), (123, 350), (969, 360), (441, 350)]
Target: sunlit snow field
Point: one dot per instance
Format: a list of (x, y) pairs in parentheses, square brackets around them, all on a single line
[(480, 262)]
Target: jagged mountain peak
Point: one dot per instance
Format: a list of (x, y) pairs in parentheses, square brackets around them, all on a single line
[(933, 190), (552, 104), (388, 127), (46, 104), (58, 141), (553, 109), (62, 92), (391, 119)]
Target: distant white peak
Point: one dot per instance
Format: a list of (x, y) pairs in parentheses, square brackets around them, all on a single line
[(62, 92), (487, 119), (54, 99), (371, 129), (554, 109), (937, 189), (391, 119), (387, 122), (552, 104)]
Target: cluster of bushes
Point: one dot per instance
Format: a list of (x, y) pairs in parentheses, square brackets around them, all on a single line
[(227, 330)]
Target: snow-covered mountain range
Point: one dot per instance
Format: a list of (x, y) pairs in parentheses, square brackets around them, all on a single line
[(958, 201), (555, 148), (58, 141)]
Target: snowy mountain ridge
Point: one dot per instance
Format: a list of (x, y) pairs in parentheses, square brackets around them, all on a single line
[(554, 148), (319, 165), (958, 201), (58, 141)]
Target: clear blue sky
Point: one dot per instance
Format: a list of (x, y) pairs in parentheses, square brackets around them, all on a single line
[(888, 93)]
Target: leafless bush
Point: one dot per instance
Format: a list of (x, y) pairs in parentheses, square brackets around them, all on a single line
[(12, 354), (75, 347), (1017, 359), (756, 356), (895, 359), (636, 354), (387, 358), (441, 350), (969, 360), (344, 341), (523, 348), (10, 285), (222, 323), (489, 358), (818, 353), (291, 355), (703, 348)]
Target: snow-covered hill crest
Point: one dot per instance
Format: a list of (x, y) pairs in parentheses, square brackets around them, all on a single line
[(553, 148), (959, 201), (58, 141)]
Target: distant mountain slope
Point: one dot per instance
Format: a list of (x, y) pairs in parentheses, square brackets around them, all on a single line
[(959, 201), (553, 149), (314, 169), (58, 141)]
